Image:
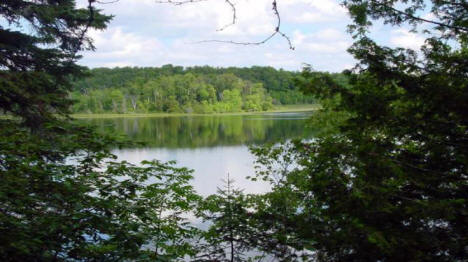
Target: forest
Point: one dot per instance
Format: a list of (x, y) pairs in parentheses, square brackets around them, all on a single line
[(175, 89), (384, 177)]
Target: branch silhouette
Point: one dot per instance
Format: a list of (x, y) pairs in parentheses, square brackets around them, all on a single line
[(276, 31)]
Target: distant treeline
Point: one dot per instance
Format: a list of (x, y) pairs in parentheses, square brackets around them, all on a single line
[(191, 90)]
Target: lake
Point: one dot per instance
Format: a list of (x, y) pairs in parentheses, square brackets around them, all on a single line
[(212, 146)]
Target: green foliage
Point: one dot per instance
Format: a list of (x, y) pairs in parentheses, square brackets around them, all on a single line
[(182, 93), (63, 196), (196, 89), (277, 212), (386, 182), (389, 181), (36, 67), (227, 238), (88, 207)]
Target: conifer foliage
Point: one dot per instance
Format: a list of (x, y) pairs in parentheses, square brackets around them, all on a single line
[(389, 181), (227, 216), (63, 196)]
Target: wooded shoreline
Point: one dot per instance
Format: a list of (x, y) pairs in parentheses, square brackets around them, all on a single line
[(278, 109)]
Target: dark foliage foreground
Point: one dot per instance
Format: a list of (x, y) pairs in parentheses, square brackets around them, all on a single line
[(385, 181)]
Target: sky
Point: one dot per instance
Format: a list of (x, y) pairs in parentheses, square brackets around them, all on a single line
[(145, 33)]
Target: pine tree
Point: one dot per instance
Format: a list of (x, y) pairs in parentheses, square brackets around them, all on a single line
[(63, 197), (389, 181), (227, 215)]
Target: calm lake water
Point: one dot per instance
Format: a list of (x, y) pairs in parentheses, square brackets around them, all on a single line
[(212, 146)]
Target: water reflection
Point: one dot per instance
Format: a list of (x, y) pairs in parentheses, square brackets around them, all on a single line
[(210, 145), (210, 165), (209, 131)]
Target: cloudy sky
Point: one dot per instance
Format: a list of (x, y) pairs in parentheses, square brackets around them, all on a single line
[(145, 33)]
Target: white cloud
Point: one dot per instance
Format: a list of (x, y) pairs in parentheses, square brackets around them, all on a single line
[(430, 16), (298, 38), (330, 34), (323, 41), (144, 33), (336, 47), (311, 11), (405, 38), (118, 48)]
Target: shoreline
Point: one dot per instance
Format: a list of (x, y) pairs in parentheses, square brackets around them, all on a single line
[(281, 109)]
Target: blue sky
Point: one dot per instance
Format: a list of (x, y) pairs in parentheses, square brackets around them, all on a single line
[(145, 33)]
